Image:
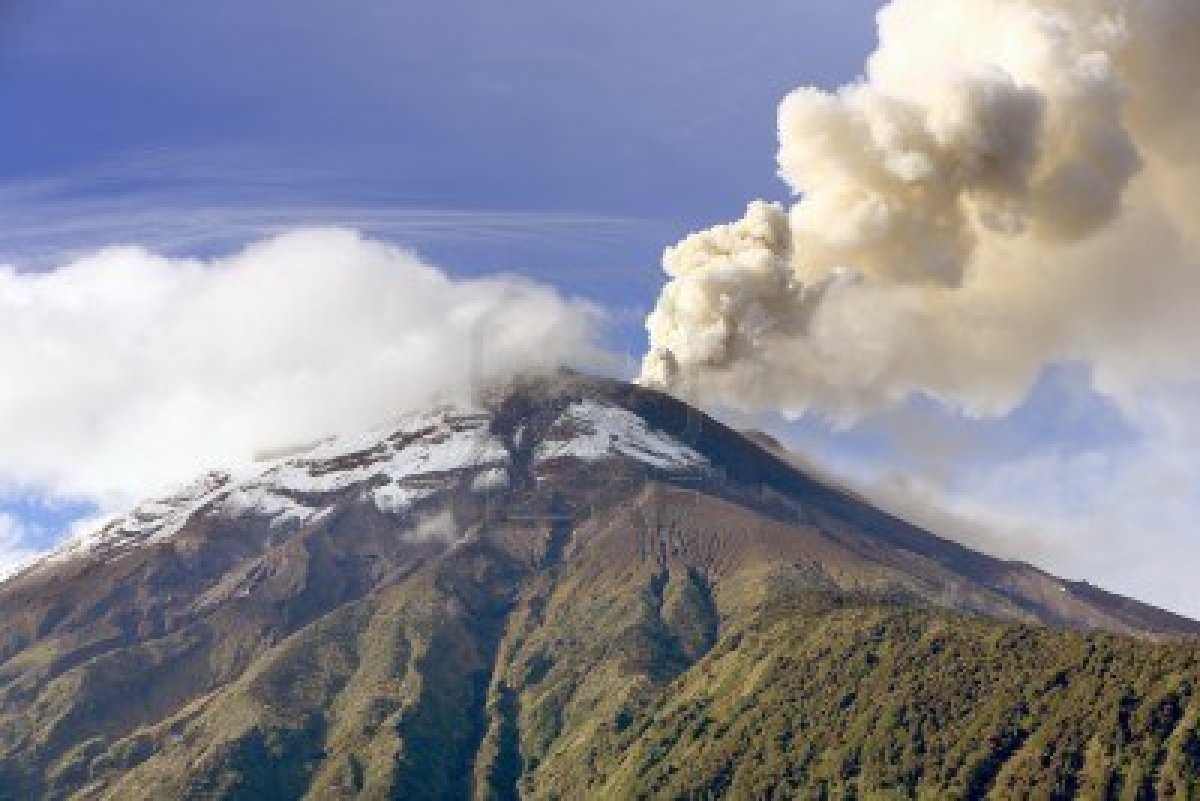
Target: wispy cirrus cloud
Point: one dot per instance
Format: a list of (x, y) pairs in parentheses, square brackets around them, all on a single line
[(29, 234), (207, 200)]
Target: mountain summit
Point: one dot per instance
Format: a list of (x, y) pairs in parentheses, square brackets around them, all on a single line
[(573, 588)]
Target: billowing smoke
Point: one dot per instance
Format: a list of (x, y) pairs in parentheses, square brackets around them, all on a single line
[(1011, 185)]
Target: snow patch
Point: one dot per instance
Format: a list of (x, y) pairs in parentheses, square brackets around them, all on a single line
[(264, 501), (148, 523), (395, 499), (393, 467), (494, 478), (590, 431)]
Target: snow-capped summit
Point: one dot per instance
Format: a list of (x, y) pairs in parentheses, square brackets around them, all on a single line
[(395, 467)]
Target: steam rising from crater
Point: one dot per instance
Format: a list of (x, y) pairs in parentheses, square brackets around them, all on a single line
[(1012, 185)]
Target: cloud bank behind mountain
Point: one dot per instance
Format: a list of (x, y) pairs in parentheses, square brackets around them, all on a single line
[(134, 371)]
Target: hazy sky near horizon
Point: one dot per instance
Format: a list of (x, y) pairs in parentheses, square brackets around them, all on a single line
[(564, 143)]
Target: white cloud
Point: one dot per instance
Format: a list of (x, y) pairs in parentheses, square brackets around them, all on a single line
[(15, 551), (1122, 516), (131, 371)]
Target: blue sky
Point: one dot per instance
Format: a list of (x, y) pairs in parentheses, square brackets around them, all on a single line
[(565, 142), (614, 129), (656, 111)]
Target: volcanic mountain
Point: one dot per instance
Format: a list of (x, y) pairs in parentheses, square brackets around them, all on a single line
[(573, 588)]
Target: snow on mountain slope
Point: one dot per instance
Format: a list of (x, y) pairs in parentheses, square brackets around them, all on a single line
[(590, 431), (394, 467)]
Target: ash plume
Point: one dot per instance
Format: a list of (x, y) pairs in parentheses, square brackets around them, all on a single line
[(1010, 185)]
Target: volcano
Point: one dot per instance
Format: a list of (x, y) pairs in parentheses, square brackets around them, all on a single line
[(571, 588)]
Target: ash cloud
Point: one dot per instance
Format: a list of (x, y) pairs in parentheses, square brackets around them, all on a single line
[(1010, 186)]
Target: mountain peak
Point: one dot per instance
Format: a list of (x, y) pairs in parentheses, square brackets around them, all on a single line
[(573, 441), (511, 437)]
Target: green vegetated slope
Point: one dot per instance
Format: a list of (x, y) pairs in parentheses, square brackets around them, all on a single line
[(767, 682), (650, 678), (382, 698), (841, 698)]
